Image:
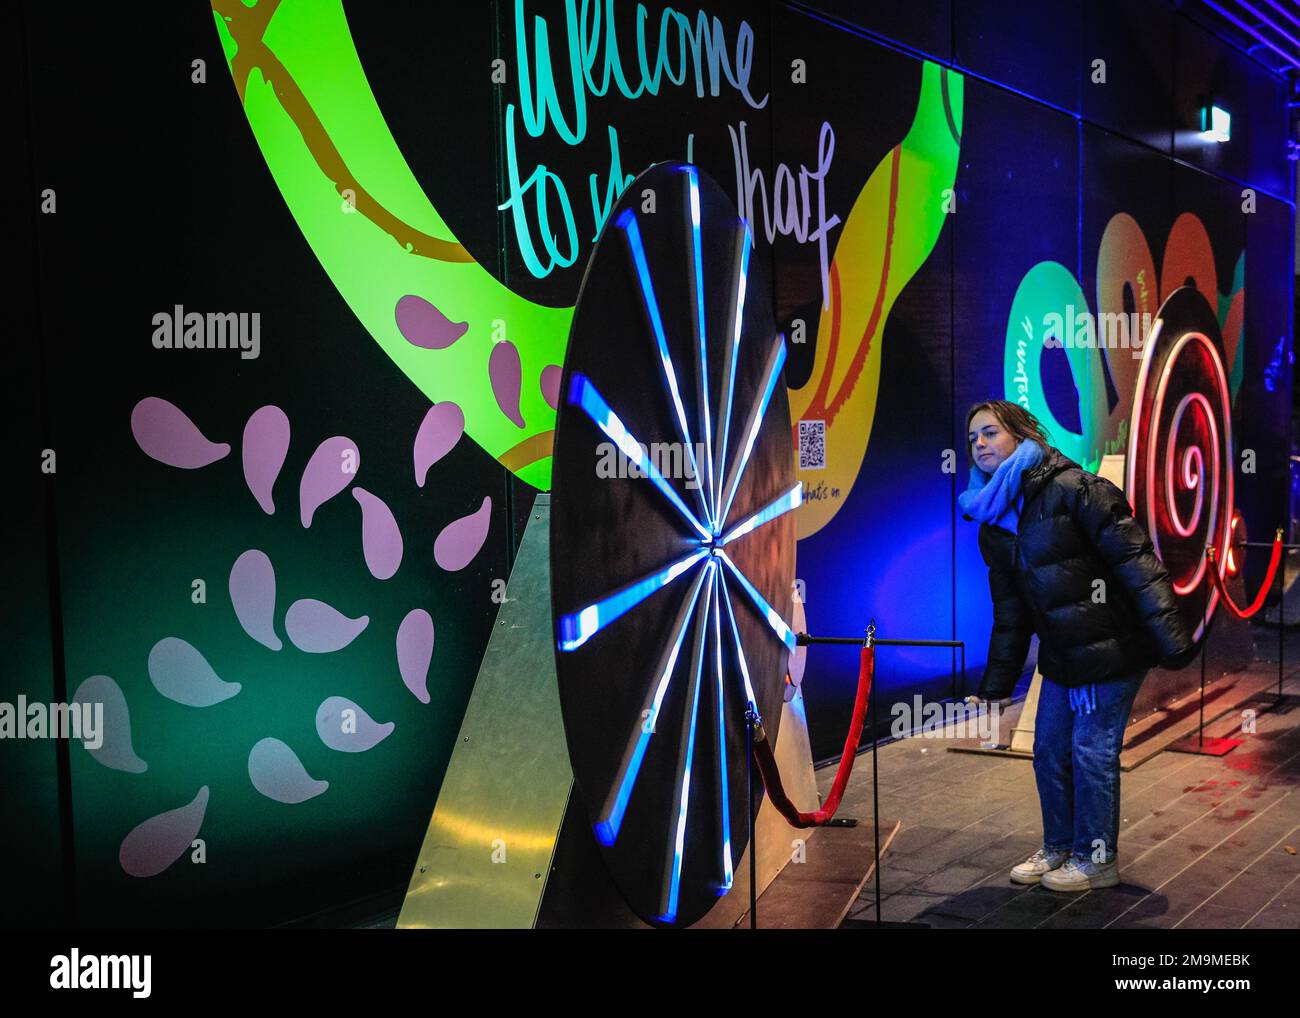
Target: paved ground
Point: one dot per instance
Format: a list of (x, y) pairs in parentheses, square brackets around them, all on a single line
[(1204, 841)]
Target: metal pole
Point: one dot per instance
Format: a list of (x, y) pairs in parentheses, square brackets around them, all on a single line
[(1205, 643), (1281, 619), (804, 640), (1281, 601), (875, 776), (751, 716)]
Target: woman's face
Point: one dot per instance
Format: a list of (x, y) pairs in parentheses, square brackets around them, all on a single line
[(990, 442)]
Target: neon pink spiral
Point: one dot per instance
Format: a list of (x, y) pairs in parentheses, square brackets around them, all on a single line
[(1179, 463)]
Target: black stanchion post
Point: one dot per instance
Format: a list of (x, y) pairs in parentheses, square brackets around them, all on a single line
[(751, 718), (1205, 642), (1281, 607), (1217, 745), (875, 774), (875, 770), (952, 685), (803, 639), (1281, 616)]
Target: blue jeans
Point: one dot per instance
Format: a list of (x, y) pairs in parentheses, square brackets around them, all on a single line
[(1076, 764)]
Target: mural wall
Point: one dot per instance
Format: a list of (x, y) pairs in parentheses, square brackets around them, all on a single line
[(290, 341)]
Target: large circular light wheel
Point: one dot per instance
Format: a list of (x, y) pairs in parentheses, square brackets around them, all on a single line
[(672, 540)]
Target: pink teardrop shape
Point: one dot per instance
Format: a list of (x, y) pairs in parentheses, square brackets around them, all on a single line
[(158, 842), (164, 433), (276, 772), (332, 467), (266, 443), (355, 733), (461, 539), (507, 376), (415, 651), (180, 672), (439, 432), (316, 628), (252, 593), (114, 749), (423, 325), (550, 385), (381, 541)]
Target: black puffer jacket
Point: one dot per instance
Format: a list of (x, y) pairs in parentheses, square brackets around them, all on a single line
[(1077, 528)]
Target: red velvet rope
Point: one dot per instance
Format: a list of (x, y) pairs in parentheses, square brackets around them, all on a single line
[(766, 762), (1274, 560)]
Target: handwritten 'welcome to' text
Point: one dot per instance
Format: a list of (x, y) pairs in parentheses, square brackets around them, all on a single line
[(682, 45)]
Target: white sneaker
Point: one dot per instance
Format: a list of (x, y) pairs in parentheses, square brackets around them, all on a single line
[(1082, 875), (1031, 871)]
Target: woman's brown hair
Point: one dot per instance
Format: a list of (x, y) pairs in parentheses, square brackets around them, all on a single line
[(1012, 416)]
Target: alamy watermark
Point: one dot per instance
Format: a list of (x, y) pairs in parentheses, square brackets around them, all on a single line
[(77, 971), (1112, 330), (179, 329), (23, 720), (946, 720), (671, 459)]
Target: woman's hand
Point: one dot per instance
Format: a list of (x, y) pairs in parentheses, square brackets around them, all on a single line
[(976, 701)]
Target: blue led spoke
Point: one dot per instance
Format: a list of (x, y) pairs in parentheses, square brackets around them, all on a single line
[(673, 878), (627, 220), (611, 816), (783, 632), (774, 363), (729, 371), (693, 191), (792, 499), (723, 792), (579, 627), (740, 652), (585, 394)]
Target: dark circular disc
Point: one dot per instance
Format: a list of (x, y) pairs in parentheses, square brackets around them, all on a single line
[(672, 539), (1179, 465)]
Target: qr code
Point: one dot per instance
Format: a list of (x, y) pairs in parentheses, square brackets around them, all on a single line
[(812, 445)]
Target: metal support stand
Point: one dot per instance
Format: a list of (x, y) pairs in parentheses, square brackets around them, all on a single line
[(1279, 698), (870, 640), (751, 717), (1214, 746), (1200, 746)]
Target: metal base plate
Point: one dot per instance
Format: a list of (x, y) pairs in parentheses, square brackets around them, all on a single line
[(1207, 746)]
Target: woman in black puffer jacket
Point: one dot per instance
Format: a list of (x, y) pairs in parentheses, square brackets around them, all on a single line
[(1068, 561)]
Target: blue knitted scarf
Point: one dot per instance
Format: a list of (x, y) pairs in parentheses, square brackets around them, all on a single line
[(998, 498)]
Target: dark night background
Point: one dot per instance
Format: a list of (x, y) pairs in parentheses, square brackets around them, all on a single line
[(163, 198)]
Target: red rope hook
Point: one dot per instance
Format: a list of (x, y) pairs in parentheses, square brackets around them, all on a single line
[(1274, 560), (766, 761)]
